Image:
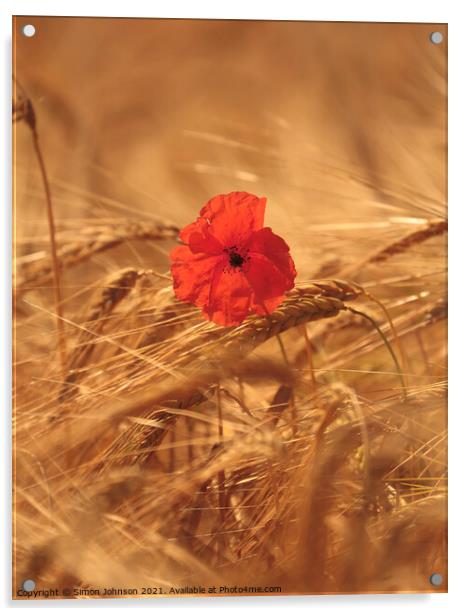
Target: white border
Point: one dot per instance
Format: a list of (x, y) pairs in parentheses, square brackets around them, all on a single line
[(441, 11), (340, 10)]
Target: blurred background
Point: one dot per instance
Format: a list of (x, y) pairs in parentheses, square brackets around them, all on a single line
[(339, 124)]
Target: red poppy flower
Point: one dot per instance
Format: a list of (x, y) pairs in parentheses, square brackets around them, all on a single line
[(230, 265)]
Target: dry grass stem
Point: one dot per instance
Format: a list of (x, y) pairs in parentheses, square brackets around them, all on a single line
[(23, 109)]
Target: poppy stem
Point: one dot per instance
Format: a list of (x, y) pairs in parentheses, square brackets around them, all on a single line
[(309, 354), (282, 347), (293, 408), (387, 344), (241, 390), (397, 341)]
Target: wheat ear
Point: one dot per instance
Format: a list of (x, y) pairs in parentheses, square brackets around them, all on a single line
[(116, 288), (321, 299), (432, 229), (93, 240)]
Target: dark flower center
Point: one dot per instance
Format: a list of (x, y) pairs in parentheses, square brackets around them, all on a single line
[(236, 260)]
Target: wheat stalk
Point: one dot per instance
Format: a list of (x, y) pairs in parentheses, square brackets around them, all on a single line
[(93, 240), (432, 229), (23, 109)]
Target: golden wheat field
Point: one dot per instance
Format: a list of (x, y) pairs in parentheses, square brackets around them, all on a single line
[(302, 451)]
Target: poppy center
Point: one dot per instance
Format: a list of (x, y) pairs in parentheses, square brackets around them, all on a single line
[(236, 260)]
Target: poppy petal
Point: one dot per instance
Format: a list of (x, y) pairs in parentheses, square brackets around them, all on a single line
[(265, 242), (229, 298), (267, 282), (192, 274), (234, 217), (270, 271), (199, 237)]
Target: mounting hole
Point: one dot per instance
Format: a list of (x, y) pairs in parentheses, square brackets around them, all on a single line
[(29, 585), (436, 38), (436, 579), (29, 30)]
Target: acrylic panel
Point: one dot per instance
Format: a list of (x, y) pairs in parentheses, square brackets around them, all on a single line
[(230, 307)]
